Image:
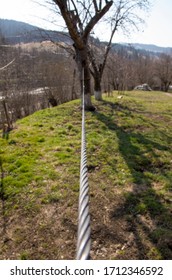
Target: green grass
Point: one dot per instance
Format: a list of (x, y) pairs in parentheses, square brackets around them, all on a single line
[(129, 150), (34, 150)]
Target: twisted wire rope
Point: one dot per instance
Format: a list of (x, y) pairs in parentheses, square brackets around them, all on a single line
[(84, 229)]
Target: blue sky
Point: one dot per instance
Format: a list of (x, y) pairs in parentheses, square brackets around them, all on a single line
[(157, 30)]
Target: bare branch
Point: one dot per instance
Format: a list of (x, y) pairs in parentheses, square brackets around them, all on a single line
[(4, 67), (95, 6), (78, 18), (69, 22), (100, 4), (96, 18)]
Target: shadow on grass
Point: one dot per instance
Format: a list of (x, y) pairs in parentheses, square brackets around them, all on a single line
[(147, 214)]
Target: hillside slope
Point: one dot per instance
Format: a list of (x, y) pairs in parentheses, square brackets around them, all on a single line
[(129, 149)]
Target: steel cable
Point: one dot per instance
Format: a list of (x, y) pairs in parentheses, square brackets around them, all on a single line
[(84, 229)]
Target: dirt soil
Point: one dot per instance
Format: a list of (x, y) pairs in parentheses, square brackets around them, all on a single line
[(51, 232)]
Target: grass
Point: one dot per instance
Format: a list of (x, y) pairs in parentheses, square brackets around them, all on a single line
[(129, 154)]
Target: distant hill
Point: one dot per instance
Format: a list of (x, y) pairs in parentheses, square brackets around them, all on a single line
[(152, 48), (19, 32)]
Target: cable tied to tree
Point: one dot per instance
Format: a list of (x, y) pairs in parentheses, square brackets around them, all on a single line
[(84, 229)]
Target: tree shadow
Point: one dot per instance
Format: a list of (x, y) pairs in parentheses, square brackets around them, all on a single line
[(143, 200)]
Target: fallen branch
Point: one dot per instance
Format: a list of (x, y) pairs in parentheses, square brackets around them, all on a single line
[(2, 68)]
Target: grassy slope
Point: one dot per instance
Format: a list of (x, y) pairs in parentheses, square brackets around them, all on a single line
[(130, 175)]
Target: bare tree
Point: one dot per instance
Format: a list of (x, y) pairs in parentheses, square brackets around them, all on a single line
[(80, 18), (124, 14), (4, 104), (163, 70)]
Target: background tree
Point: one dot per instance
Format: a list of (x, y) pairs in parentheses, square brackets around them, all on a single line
[(124, 15), (163, 70)]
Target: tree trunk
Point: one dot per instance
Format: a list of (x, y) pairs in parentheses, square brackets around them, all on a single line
[(97, 87), (87, 89), (73, 93), (83, 66), (9, 122), (166, 85)]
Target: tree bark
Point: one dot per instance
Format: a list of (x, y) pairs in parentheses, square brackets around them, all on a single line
[(85, 77), (97, 87), (167, 87)]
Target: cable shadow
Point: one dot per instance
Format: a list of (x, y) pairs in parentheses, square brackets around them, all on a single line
[(143, 201)]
